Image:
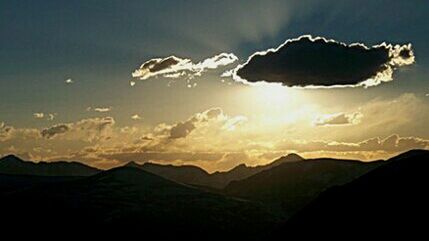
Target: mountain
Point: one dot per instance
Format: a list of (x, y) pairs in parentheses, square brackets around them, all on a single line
[(184, 174), (196, 176), (14, 165), (389, 201), (128, 202), (289, 186)]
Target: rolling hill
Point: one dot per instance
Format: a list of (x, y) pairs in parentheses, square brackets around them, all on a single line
[(14, 165), (196, 176), (290, 186)]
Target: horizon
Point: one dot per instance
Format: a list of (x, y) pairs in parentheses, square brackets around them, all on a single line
[(210, 172)]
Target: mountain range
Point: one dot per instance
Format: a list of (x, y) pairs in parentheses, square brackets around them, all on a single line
[(196, 176), (14, 165), (290, 198)]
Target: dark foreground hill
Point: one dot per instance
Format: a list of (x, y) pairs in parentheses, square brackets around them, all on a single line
[(131, 204), (196, 176), (292, 185), (390, 201), (16, 166)]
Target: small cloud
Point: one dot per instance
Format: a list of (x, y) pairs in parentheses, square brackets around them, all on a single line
[(136, 117), (174, 67), (5, 131), (184, 128), (51, 116), (102, 109), (87, 129), (318, 62), (52, 131), (99, 109), (339, 119), (39, 115), (69, 81)]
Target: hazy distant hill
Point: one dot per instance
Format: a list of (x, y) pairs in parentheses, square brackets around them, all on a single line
[(197, 176), (16, 166), (131, 202), (388, 201), (290, 186)]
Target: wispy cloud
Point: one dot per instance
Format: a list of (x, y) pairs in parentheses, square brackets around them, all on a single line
[(339, 119), (175, 67), (99, 109)]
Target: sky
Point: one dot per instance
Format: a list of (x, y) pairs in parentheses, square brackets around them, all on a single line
[(212, 83)]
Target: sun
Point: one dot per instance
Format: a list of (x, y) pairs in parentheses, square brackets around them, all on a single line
[(272, 94)]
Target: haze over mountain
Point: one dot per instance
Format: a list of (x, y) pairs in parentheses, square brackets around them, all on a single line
[(290, 186), (14, 165), (389, 201), (196, 176)]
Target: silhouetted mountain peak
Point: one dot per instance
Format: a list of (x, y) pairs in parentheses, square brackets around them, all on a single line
[(14, 165), (292, 157), (132, 176), (411, 153), (11, 159), (133, 164), (172, 167), (240, 166)]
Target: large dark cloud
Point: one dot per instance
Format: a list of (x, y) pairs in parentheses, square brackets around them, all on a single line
[(308, 61)]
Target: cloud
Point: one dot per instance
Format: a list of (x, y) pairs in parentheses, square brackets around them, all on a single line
[(393, 143), (69, 81), (51, 116), (38, 115), (55, 130), (99, 109), (87, 129), (135, 117), (183, 129), (102, 109), (41, 115), (175, 67), (318, 62), (339, 119), (5, 131)]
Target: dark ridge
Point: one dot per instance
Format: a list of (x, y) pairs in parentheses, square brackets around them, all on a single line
[(388, 201), (14, 165), (289, 186)]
